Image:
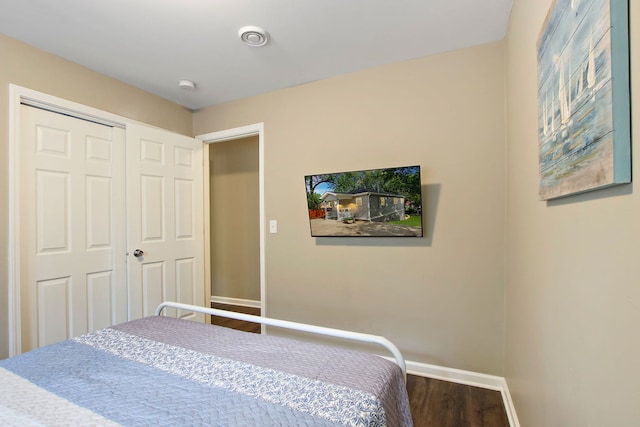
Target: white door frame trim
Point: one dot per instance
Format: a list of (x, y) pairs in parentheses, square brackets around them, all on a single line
[(256, 129), (20, 95)]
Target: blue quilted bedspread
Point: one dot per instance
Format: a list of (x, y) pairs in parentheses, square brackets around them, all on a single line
[(165, 371)]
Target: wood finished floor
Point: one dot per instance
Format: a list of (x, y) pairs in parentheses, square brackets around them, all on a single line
[(236, 324), (434, 403)]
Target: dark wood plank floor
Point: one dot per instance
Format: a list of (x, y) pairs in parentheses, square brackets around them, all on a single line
[(236, 324), (434, 403)]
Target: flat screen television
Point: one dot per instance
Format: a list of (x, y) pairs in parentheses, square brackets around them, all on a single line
[(366, 203)]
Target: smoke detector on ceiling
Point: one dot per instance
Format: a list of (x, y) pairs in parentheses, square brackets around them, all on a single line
[(187, 85), (253, 36)]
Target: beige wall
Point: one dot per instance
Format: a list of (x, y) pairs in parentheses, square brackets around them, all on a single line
[(28, 67), (440, 298), (235, 219), (573, 295)]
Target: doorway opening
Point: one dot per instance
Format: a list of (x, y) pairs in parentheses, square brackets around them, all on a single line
[(234, 220)]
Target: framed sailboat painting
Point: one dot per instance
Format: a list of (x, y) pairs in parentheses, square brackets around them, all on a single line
[(584, 124)]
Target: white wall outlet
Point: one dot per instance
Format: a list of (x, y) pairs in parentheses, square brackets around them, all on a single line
[(273, 226)]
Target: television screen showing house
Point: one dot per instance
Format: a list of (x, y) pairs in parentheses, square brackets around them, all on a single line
[(367, 203)]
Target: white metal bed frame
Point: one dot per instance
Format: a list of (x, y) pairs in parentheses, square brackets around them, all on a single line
[(320, 330)]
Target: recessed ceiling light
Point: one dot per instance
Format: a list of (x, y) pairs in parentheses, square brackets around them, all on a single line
[(187, 85), (253, 36)]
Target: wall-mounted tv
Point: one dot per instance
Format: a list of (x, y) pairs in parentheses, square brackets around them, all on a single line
[(367, 203)]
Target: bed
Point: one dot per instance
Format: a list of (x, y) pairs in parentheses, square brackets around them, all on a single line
[(161, 370)]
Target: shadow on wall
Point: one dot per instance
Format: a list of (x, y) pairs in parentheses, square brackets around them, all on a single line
[(430, 199), (602, 193)]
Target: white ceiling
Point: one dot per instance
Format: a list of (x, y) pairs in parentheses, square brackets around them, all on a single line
[(152, 44)]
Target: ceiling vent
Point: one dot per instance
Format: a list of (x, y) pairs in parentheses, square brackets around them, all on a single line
[(253, 36)]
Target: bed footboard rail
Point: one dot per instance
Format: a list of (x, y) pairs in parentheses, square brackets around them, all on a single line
[(320, 330)]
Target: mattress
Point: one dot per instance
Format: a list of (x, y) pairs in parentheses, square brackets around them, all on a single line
[(166, 371)]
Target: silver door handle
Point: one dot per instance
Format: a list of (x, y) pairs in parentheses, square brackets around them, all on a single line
[(138, 253)]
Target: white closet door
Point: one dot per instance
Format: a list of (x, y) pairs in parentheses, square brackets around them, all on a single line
[(165, 221), (73, 268)]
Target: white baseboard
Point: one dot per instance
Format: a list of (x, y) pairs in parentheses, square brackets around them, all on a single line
[(236, 301), (474, 379), (510, 408)]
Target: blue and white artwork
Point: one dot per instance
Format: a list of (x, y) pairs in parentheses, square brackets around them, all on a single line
[(583, 97)]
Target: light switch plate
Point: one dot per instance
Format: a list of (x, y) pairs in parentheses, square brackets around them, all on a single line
[(273, 226)]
